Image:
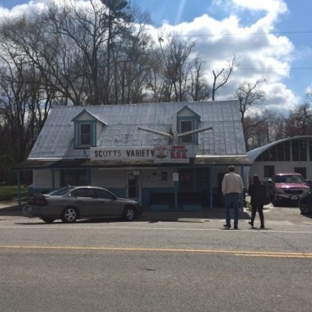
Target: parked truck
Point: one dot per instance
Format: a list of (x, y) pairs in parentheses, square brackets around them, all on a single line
[(286, 188)]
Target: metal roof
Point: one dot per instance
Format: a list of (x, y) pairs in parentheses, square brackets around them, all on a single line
[(253, 154), (119, 127)]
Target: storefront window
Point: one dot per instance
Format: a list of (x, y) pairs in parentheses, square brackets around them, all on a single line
[(193, 180), (74, 177)]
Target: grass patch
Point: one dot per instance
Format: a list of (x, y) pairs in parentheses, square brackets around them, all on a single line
[(10, 192)]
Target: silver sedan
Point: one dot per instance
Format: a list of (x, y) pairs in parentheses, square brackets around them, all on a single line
[(80, 202)]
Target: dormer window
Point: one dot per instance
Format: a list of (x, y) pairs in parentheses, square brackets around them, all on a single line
[(187, 120), (85, 133), (86, 127)]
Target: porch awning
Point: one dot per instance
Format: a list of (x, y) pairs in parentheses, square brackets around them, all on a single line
[(87, 163)]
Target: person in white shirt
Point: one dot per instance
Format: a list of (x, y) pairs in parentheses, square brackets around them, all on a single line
[(232, 187)]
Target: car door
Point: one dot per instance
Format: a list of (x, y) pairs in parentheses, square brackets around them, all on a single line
[(107, 205), (86, 201)]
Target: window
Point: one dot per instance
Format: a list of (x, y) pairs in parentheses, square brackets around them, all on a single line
[(61, 191), (280, 152), (74, 177), (295, 150), (86, 125), (299, 150), (287, 151), (273, 152), (185, 180), (187, 120), (105, 194), (84, 193), (186, 125), (302, 171), (303, 150), (265, 155), (268, 171), (310, 150), (85, 134)]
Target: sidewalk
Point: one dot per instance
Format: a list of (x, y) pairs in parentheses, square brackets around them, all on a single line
[(8, 208), (180, 215), (11, 208)]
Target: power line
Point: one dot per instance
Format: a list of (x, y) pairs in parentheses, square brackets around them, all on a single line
[(250, 33), (266, 68)]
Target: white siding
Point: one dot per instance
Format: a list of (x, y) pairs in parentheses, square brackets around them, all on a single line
[(279, 166), (42, 179)]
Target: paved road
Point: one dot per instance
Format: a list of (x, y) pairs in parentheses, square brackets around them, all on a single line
[(167, 262)]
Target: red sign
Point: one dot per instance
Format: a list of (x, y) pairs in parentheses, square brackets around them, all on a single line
[(171, 154)]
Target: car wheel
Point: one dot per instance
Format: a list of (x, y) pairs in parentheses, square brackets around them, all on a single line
[(129, 213), (69, 215), (304, 208), (47, 220)]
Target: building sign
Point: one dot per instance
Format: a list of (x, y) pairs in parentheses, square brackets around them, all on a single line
[(159, 154), (171, 154), (122, 153)]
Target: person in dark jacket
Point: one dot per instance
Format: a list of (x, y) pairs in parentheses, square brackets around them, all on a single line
[(257, 193)]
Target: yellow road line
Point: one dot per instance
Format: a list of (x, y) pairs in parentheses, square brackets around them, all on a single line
[(234, 252)]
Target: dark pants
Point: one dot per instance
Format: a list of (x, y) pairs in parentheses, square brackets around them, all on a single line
[(260, 211), (231, 201)]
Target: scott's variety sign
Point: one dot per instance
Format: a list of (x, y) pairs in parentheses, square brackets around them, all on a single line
[(159, 154)]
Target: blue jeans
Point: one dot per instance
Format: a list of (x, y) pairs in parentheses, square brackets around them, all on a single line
[(231, 201)]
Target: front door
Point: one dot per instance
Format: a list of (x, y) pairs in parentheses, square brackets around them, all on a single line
[(132, 186)]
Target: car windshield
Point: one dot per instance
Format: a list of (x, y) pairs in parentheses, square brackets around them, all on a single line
[(61, 191), (290, 179)]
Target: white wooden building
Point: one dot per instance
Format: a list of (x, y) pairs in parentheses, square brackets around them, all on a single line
[(137, 150)]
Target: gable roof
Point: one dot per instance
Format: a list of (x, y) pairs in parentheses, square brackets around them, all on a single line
[(85, 111), (56, 140), (186, 108)]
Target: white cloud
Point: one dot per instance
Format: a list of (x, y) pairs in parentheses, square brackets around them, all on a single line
[(263, 53), (274, 6), (309, 90)]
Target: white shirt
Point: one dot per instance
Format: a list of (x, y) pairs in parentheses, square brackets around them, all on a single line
[(232, 183)]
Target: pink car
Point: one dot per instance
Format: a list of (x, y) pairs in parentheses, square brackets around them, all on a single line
[(287, 188)]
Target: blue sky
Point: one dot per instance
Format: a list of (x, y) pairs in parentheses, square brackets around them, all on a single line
[(273, 39)]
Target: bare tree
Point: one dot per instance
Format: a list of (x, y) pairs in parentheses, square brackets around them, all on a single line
[(299, 121), (175, 67), (248, 95), (198, 87), (224, 74), (24, 106)]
